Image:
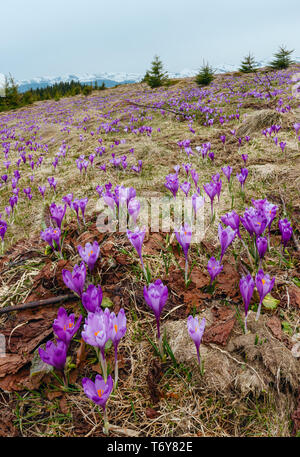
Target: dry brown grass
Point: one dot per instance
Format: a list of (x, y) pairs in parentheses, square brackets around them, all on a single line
[(187, 405)]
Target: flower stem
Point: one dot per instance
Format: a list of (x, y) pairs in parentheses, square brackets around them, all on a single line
[(116, 369), (258, 311), (103, 365), (186, 271), (106, 423)]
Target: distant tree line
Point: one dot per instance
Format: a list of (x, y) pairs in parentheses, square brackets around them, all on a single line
[(14, 99), (156, 76)]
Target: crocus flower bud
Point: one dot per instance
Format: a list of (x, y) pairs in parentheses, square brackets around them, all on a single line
[(57, 213), (246, 289), (156, 296), (136, 238), (196, 331), (75, 280), (226, 237), (134, 207), (172, 183), (286, 231), (262, 245), (3, 228), (54, 355), (227, 172), (92, 298), (197, 202)]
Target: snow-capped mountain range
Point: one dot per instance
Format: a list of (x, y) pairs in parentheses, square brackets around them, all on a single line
[(113, 79)]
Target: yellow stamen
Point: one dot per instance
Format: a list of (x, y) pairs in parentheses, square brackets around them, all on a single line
[(263, 281), (116, 328), (100, 392), (96, 333)]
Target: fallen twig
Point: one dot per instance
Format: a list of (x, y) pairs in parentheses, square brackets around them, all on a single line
[(35, 304), (156, 107)]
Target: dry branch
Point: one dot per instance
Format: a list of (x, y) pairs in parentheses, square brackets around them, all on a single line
[(35, 304)]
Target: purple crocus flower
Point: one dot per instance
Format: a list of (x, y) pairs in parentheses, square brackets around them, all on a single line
[(214, 268), (262, 246), (196, 331), (89, 254), (172, 183), (68, 199), (65, 327), (264, 285), (197, 202), (99, 392), (242, 177), (82, 205), (79, 205), (297, 127), (195, 177), (226, 237), (184, 237), (3, 228), (118, 331), (254, 221), (177, 168), (42, 190), (118, 326), (52, 182), (136, 238), (156, 296), (75, 280), (223, 138), (185, 187), (54, 355), (13, 201), (233, 220), (96, 332), (52, 234), (97, 329), (211, 189), (267, 208), (227, 172), (282, 145), (92, 298), (211, 155), (57, 213), (245, 158), (134, 207), (246, 289), (286, 231)]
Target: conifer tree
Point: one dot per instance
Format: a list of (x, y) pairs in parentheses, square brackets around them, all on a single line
[(156, 77), (248, 65), (205, 75), (282, 58), (12, 96)]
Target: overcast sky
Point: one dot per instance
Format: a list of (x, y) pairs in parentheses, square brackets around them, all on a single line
[(39, 38)]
